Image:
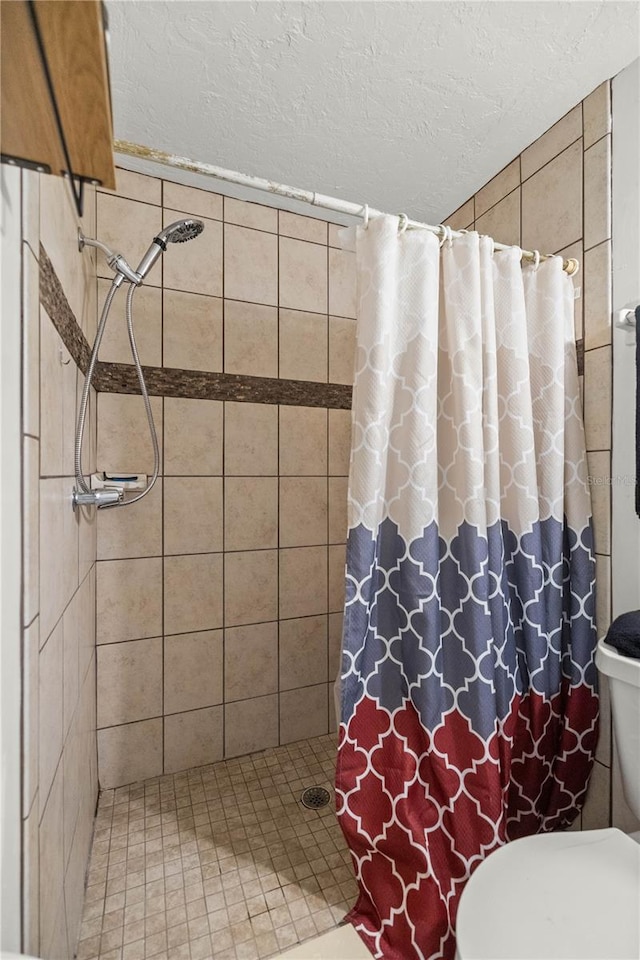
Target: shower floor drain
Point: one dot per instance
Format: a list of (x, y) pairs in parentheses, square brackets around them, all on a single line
[(315, 797)]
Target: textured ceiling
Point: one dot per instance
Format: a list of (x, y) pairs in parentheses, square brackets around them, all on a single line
[(407, 106)]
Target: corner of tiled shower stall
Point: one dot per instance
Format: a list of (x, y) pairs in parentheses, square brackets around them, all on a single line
[(60, 781), (219, 597), (556, 196)]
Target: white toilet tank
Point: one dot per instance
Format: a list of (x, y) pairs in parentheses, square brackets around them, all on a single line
[(624, 683)]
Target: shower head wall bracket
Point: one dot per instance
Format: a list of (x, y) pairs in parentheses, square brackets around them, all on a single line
[(115, 260)]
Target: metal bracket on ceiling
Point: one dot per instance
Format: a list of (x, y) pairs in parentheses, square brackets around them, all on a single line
[(76, 181)]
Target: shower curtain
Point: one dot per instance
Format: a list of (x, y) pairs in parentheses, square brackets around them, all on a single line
[(469, 706)]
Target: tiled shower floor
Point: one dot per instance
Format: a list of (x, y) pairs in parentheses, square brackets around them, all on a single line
[(220, 861)]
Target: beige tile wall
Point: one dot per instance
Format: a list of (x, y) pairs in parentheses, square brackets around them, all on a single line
[(556, 197), (218, 597), (60, 782)]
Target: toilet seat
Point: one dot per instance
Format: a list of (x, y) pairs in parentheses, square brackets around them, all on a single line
[(557, 896)]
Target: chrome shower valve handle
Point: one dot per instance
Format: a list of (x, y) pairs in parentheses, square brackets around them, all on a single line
[(96, 498)]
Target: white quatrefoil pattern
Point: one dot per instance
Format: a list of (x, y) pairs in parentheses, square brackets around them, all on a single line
[(469, 702)]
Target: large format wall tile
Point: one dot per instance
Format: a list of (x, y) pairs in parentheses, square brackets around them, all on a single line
[(303, 441), (31, 341), (192, 515), (192, 592), (250, 439), (303, 652), (30, 715), (303, 275), (251, 587), (339, 442), (192, 201), (251, 725), (502, 222), (596, 812), (550, 144), (147, 325), (193, 437), (552, 203), (192, 671), (303, 581), (597, 398), (50, 669), (137, 186), (502, 184), (254, 215), (70, 662), (342, 349), (51, 399), (342, 283), (135, 531), (31, 882), (193, 739), (338, 488), (124, 440), (600, 487), (303, 511), (191, 331), (130, 752), (250, 661), (597, 193), (250, 513), (597, 296), (58, 551), (303, 713), (52, 869), (336, 585), (31, 543), (242, 247), (463, 217), (303, 346), (128, 599), (250, 339), (597, 114), (59, 237), (129, 681), (302, 228)]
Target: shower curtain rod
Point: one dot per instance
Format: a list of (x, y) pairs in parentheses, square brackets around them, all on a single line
[(129, 149)]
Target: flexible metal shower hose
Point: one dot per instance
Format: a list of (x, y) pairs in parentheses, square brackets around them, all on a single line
[(82, 416)]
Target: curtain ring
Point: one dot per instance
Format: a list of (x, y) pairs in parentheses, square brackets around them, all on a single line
[(447, 234), (403, 222), (536, 259), (365, 215)]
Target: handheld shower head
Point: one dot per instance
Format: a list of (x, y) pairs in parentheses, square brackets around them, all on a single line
[(178, 232), (182, 230)]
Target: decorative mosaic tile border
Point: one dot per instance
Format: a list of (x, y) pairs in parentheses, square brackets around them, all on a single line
[(202, 385), (170, 382), (54, 301), (190, 384)]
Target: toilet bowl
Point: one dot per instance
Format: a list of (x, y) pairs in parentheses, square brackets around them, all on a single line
[(563, 896), (556, 896)]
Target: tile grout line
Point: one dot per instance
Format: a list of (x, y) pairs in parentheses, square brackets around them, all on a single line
[(223, 518), (162, 503), (278, 553)]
